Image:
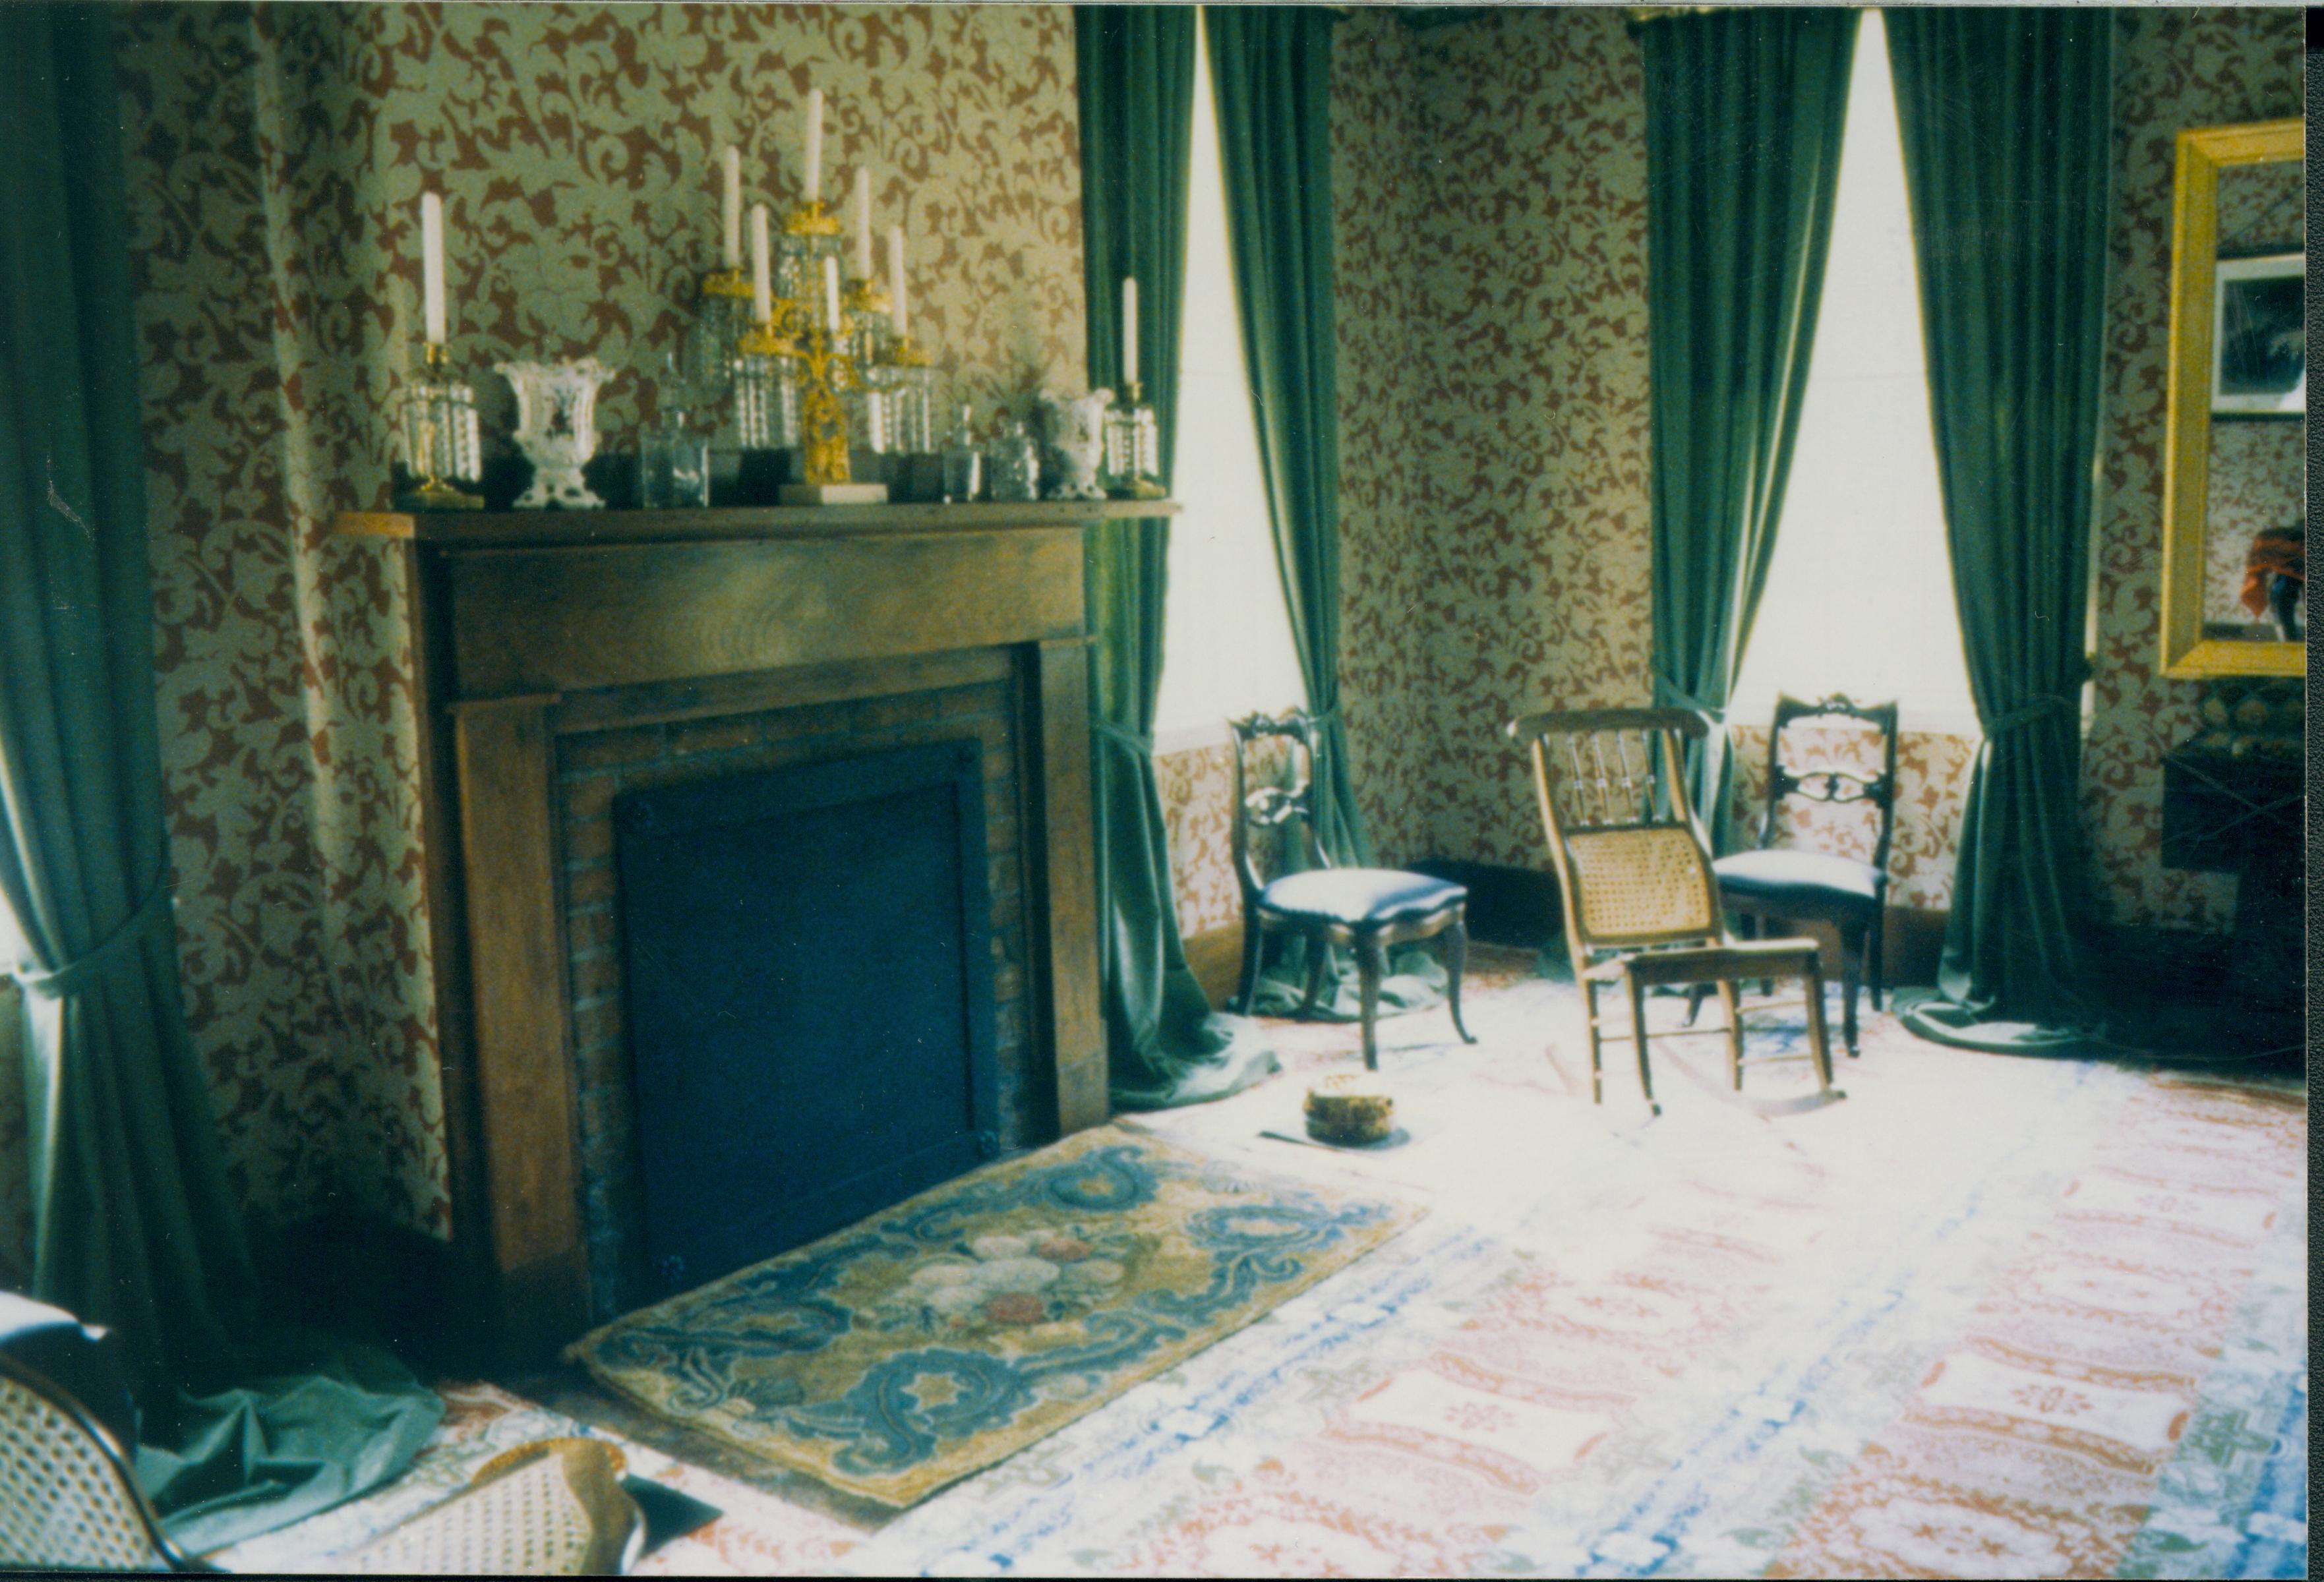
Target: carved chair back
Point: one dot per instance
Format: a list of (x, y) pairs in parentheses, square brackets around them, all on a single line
[(1633, 863), (1286, 811), (1831, 783)]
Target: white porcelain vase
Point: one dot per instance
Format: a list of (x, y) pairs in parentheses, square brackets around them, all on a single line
[(557, 428), (1077, 434)]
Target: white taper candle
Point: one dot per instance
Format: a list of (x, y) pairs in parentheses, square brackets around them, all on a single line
[(813, 174), (863, 225), (1130, 329), (901, 318), (732, 205), (830, 291), (431, 263), (762, 296)]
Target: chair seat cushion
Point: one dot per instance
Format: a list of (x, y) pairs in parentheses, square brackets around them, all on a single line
[(1805, 878), (1359, 894)]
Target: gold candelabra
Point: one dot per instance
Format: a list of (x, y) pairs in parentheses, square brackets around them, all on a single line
[(825, 363), (826, 368)]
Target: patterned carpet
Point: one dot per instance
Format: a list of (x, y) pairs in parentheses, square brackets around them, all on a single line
[(1986, 1317)]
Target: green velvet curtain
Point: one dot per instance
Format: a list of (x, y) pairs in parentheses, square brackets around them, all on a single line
[(1271, 76), (2006, 118), (1744, 114), (1135, 67), (1271, 80), (132, 1225)]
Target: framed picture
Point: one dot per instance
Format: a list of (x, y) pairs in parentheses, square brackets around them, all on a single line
[(2259, 335)]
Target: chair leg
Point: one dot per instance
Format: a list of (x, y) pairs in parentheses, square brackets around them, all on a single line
[(1817, 1033), (1318, 952), (1751, 929), (1851, 974), (1372, 966), (1638, 1038), (1596, 1064), (1254, 940), (1876, 946), (1733, 1003), (1456, 958), (1696, 993)]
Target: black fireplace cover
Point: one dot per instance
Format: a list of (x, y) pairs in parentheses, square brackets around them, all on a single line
[(809, 990)]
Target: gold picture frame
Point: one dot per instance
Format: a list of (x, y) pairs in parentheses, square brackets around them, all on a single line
[(2188, 654)]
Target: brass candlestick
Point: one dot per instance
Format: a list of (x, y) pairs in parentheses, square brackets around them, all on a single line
[(440, 432)]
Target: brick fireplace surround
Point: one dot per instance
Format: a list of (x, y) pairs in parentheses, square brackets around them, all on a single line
[(562, 658)]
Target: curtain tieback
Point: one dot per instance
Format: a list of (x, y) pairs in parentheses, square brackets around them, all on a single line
[(1143, 746), (77, 973), (2036, 708), (1679, 697)]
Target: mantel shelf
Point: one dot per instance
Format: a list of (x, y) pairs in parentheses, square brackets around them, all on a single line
[(466, 529)]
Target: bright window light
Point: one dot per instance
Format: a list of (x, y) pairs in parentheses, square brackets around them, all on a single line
[(1860, 598), (1226, 641)]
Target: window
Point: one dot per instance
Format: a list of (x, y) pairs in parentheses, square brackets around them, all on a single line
[(1859, 597), (1226, 638)]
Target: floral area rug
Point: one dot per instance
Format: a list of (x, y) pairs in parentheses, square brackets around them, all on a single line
[(903, 1354)]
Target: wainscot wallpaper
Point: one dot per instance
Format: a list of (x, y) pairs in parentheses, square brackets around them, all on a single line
[(1490, 186)]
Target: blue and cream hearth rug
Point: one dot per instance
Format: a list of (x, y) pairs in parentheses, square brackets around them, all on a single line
[(902, 1355)]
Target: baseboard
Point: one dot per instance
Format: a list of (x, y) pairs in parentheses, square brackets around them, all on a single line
[(1507, 905), (2139, 965), (351, 1274)]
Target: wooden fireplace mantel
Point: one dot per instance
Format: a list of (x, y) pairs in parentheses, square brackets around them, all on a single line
[(530, 625)]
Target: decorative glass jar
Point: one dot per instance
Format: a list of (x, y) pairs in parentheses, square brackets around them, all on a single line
[(964, 461), (1014, 459)]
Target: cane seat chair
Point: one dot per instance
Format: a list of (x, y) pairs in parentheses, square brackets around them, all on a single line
[(67, 1498), (1363, 909), (1801, 885), (1634, 881), (550, 1508)]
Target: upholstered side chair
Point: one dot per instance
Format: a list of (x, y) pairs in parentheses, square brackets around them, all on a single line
[(1364, 909), (1800, 884)]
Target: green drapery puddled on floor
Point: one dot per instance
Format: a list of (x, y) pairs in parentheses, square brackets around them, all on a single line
[(1136, 98), (133, 1227), (1271, 76), (1744, 115), (2006, 118)]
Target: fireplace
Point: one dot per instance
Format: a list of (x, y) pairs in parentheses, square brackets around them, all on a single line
[(564, 660), (806, 956)]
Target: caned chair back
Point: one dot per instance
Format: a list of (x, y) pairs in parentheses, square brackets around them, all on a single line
[(1287, 812), (1831, 783), (1633, 865), (68, 1499)]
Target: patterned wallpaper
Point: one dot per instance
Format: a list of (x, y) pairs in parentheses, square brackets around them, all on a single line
[(1490, 182), (2174, 70), (1388, 677), (275, 159)]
